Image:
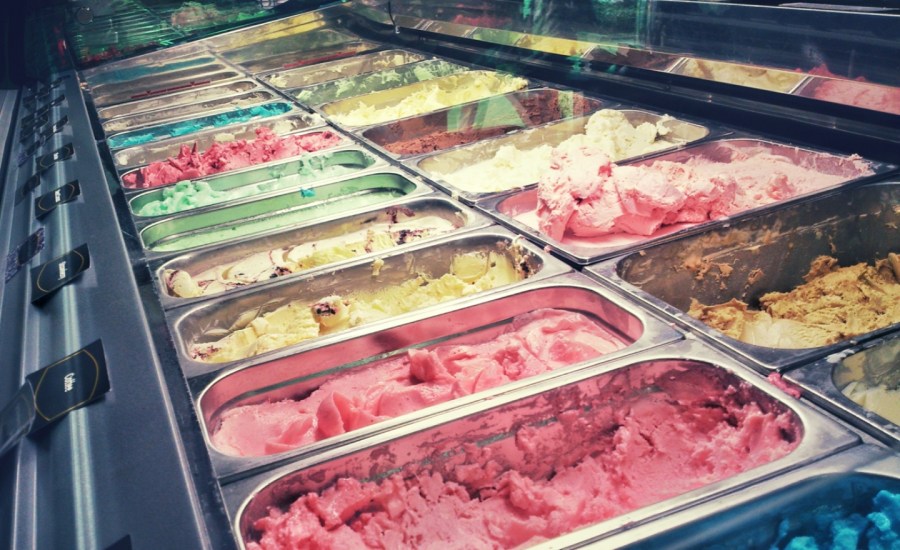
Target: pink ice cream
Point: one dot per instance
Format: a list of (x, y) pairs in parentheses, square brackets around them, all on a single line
[(645, 437), (858, 92), (225, 156), (534, 343), (586, 195)]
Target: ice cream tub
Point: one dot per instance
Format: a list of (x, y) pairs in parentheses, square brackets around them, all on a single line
[(802, 508), (567, 312), (618, 445), (421, 97), (149, 134), (130, 158), (140, 68), (105, 95), (341, 68), (860, 384), (291, 44), (740, 74), (322, 244), (213, 226), (295, 24), (357, 85), (486, 118), (177, 100), (856, 93), (557, 46), (157, 61), (291, 60), (616, 54), (183, 112), (489, 172), (797, 262), (308, 311), (753, 176), (251, 183)]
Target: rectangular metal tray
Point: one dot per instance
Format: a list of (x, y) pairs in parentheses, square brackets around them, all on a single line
[(551, 134), (462, 218), (770, 251), (291, 44), (751, 518), (865, 95), (789, 80), (481, 119), (393, 96), (519, 210), (292, 25), (270, 178), (131, 158), (633, 57), (105, 95), (165, 130), (306, 58), (146, 67), (489, 427), (333, 70), (823, 382), (176, 100), (214, 319), (299, 375), (207, 107), (366, 83), (282, 211)]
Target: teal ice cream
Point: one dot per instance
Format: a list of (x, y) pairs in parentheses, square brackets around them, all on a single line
[(175, 129)]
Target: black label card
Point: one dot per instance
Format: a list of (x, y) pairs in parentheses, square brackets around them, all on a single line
[(63, 153), (70, 383), (55, 127), (46, 108), (48, 202), (21, 254), (30, 184), (48, 277)]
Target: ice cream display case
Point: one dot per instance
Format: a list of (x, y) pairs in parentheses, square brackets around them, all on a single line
[(509, 274)]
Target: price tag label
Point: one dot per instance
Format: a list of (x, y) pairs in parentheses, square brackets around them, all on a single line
[(49, 277), (54, 128), (46, 108), (63, 153), (22, 253), (48, 202), (27, 187)]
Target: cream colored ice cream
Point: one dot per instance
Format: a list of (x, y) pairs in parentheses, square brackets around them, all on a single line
[(299, 320), (270, 264), (834, 304), (607, 131), (880, 399), (422, 97), (742, 75)]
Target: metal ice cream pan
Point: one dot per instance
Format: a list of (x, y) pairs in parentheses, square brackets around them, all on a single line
[(292, 60), (213, 319), (299, 375), (292, 44), (162, 84), (752, 518), (177, 100), (633, 57), (461, 218), (479, 120), (874, 363), (131, 71), (770, 251), (183, 112), (160, 58), (792, 80), (553, 134), (354, 86), (215, 226), (166, 130), (519, 209), (554, 45), (262, 32), (269, 178), (388, 98), (501, 428), (333, 70), (132, 158), (861, 92)]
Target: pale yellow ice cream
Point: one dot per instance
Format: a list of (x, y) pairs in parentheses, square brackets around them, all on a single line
[(607, 131), (270, 264), (301, 320), (879, 399), (422, 97), (742, 75)]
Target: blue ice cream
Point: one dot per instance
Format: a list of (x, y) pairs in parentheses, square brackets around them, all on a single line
[(175, 129)]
